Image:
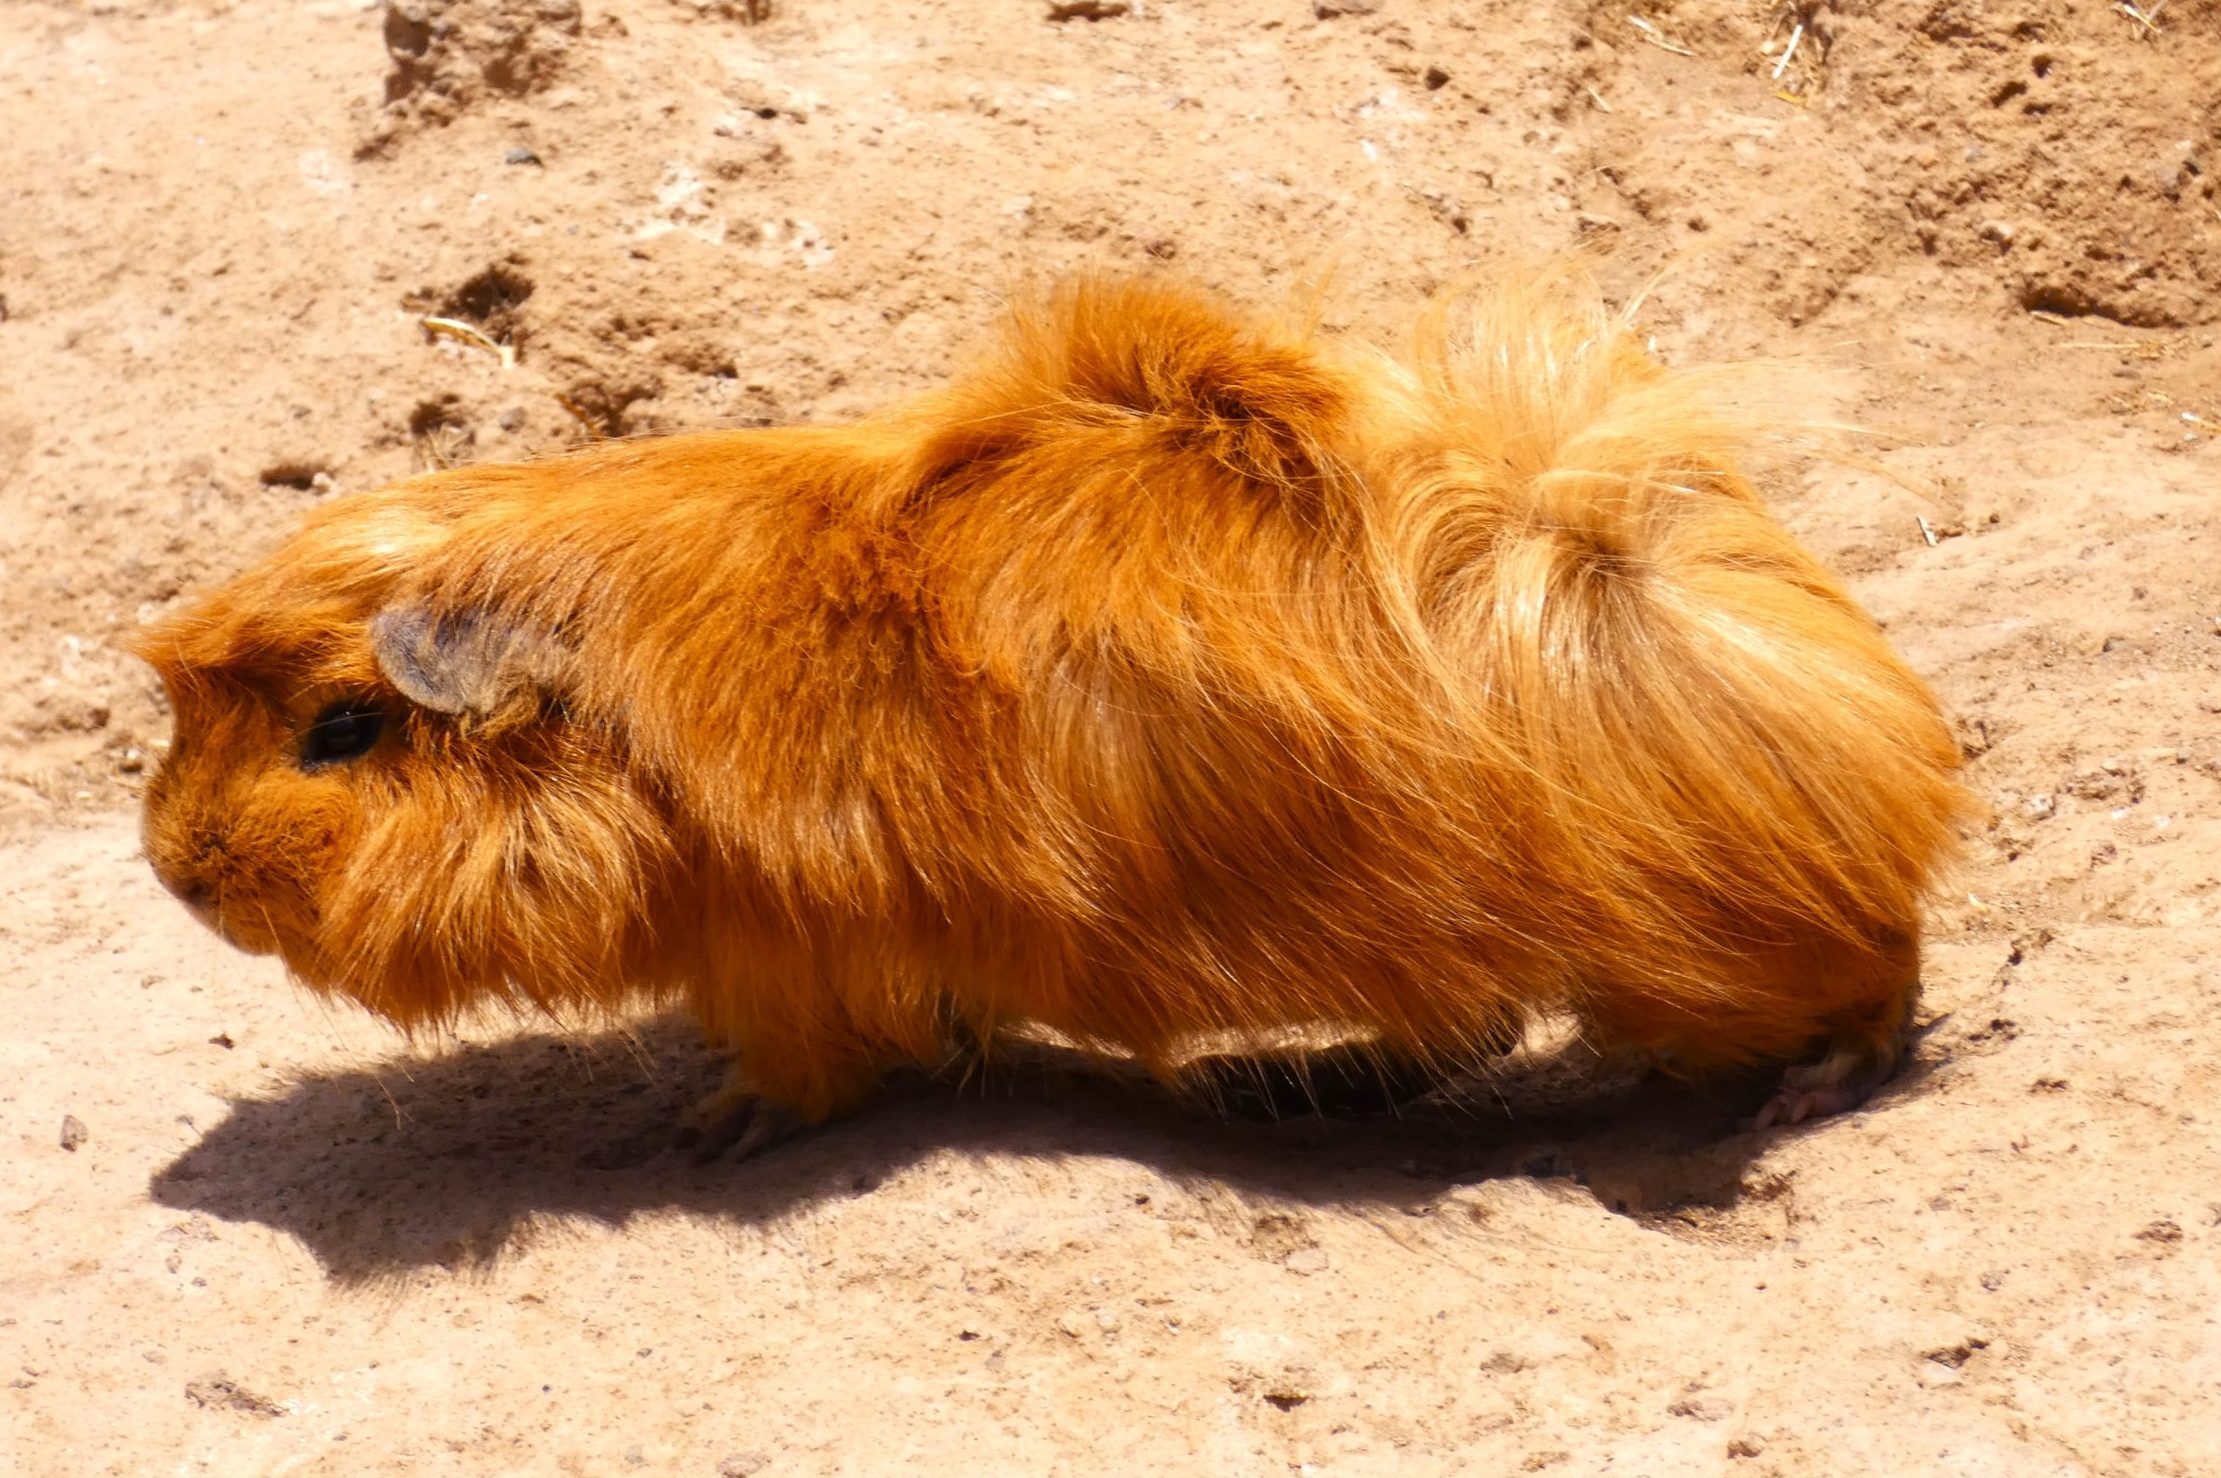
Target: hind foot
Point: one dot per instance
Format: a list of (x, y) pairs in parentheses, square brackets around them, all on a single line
[(1816, 1090), (1859, 1059)]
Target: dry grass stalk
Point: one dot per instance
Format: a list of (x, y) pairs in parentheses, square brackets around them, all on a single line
[(1656, 37), (471, 334)]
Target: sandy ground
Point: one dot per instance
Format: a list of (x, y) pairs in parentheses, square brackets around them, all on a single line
[(242, 1234)]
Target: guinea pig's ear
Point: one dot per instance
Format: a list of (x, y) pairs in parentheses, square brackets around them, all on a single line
[(470, 662)]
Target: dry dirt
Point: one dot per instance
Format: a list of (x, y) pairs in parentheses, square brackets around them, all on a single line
[(240, 1234)]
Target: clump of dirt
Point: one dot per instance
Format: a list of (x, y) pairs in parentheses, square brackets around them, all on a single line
[(2021, 145), (445, 55), (488, 300), (2061, 149)]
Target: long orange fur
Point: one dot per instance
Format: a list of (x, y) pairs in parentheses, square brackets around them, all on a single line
[(1166, 674)]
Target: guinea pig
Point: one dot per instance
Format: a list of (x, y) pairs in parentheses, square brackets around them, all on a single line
[(1168, 675)]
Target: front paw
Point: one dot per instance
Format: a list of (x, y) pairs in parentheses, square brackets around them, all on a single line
[(734, 1123)]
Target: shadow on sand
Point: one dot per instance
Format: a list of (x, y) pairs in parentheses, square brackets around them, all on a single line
[(440, 1161)]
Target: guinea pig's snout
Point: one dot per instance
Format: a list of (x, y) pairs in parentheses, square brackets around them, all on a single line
[(189, 874), (190, 889), (194, 893)]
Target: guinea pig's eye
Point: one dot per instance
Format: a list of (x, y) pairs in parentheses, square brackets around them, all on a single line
[(341, 732)]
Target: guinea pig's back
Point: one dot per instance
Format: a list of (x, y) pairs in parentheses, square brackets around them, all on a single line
[(1425, 694)]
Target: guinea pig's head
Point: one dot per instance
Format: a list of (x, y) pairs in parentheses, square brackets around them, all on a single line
[(387, 785)]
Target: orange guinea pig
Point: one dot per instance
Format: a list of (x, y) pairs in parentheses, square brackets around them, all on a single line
[(1166, 676)]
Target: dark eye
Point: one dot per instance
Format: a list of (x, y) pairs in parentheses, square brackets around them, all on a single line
[(341, 732)]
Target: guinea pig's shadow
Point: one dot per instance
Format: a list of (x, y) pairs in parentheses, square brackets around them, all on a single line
[(444, 1160)]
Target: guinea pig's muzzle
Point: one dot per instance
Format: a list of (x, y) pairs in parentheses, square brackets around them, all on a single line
[(197, 883), (195, 890)]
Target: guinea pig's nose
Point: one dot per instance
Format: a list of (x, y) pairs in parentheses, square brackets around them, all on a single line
[(193, 892)]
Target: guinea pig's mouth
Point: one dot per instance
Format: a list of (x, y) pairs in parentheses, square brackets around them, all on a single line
[(244, 935), (241, 930)]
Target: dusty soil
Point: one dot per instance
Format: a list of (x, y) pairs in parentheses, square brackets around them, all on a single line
[(242, 1234)]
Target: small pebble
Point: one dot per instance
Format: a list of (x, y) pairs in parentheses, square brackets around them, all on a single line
[(520, 155), (1703, 1408), (73, 1132)]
